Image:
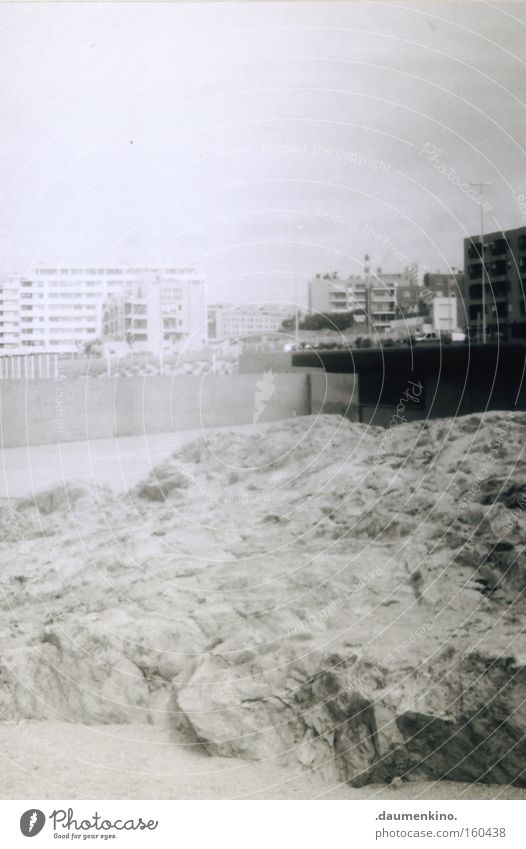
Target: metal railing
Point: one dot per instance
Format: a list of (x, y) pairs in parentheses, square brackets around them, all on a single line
[(29, 366)]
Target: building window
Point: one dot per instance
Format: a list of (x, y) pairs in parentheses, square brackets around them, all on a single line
[(497, 268), (498, 246), (500, 310)]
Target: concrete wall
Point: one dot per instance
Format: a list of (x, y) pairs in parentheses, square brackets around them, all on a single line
[(36, 412), (330, 393), (260, 361), (447, 396), (334, 394)]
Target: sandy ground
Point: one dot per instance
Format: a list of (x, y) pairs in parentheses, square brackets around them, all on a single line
[(120, 463), (54, 760)]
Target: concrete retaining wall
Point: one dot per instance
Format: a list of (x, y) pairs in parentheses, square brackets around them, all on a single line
[(446, 396), (330, 393), (334, 394), (36, 412), (259, 361)]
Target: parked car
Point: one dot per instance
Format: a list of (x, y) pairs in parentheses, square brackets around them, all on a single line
[(330, 346), (428, 336), (301, 346)]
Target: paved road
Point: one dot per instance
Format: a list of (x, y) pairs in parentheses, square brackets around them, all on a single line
[(120, 462)]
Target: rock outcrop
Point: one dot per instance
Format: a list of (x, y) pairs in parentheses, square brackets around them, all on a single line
[(337, 597)]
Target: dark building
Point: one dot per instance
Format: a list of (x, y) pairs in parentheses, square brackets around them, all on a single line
[(444, 285), (504, 273)]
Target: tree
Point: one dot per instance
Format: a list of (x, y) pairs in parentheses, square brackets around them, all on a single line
[(331, 321), (92, 348), (287, 324)]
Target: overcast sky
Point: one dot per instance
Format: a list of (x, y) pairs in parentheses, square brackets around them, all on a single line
[(262, 141)]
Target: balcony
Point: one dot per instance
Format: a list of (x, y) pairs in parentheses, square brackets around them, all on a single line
[(500, 288), (497, 269), (493, 289), (499, 310), (498, 246)]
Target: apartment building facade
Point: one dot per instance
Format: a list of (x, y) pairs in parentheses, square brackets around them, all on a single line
[(164, 316), (10, 313), (445, 285), (501, 263), (375, 299), (59, 310), (240, 321)]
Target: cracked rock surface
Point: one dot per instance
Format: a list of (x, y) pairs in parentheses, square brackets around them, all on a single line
[(319, 592)]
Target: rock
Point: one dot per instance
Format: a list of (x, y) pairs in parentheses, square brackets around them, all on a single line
[(356, 617), (63, 496), (160, 484), (46, 683)]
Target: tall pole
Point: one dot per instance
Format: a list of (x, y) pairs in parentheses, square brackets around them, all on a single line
[(449, 304), (481, 187), (296, 318), (296, 315)]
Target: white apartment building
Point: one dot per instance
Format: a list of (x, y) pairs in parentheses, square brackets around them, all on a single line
[(443, 314), (10, 313), (372, 301), (163, 317), (373, 298), (440, 317), (59, 310), (236, 321), (329, 293)]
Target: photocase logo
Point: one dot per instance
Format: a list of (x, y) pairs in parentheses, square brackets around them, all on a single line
[(32, 822), (265, 390)]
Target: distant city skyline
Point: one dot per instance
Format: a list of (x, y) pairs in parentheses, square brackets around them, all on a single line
[(327, 131)]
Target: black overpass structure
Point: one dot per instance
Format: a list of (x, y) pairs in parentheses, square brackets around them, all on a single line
[(428, 380)]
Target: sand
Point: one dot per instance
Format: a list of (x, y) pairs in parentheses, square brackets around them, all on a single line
[(53, 760)]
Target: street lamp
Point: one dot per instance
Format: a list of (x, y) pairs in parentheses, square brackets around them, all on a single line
[(481, 187)]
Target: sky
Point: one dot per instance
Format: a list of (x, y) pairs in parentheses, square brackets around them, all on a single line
[(263, 142)]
